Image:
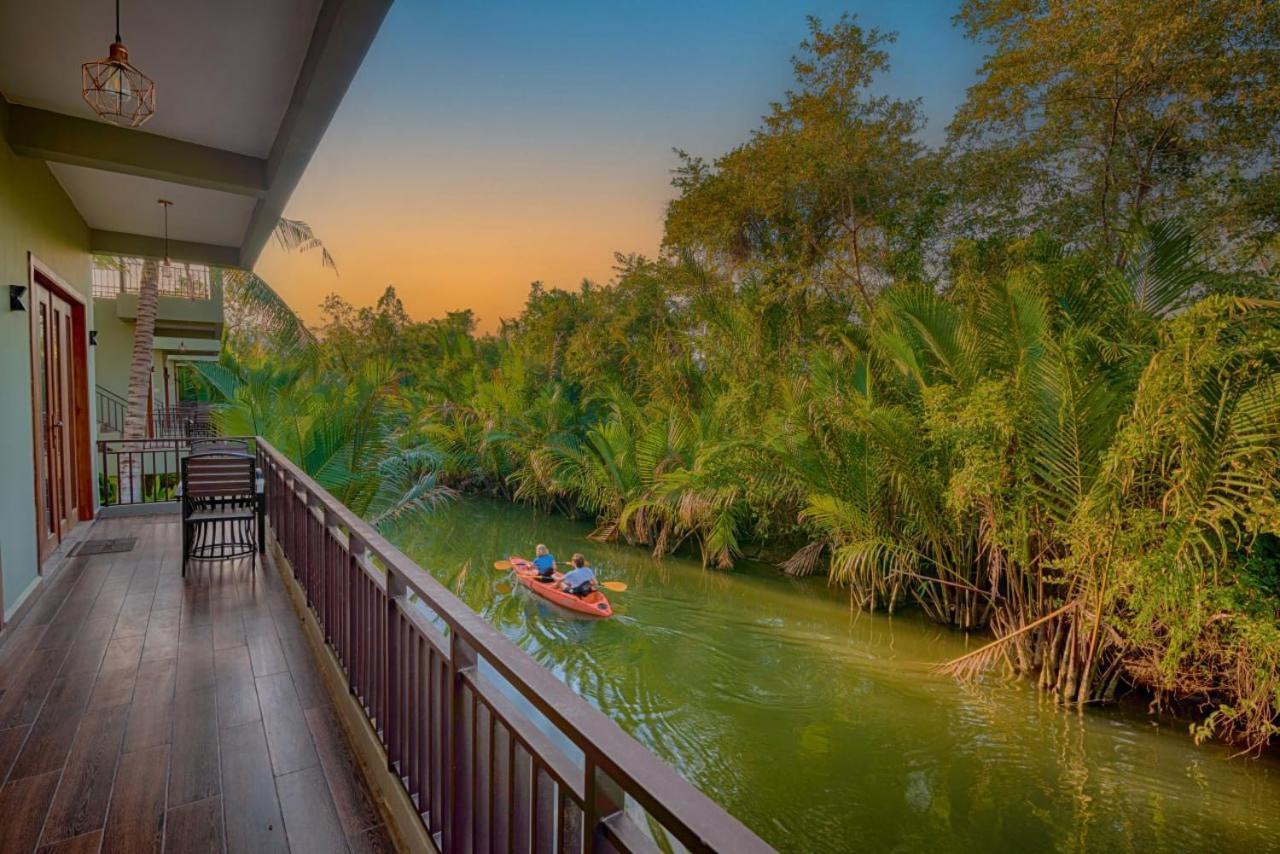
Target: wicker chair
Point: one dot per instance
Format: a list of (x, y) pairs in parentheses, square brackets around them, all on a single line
[(219, 506)]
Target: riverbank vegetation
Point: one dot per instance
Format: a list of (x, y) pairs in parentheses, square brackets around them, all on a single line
[(1028, 382)]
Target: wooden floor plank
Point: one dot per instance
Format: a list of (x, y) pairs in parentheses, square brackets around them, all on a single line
[(135, 823), (264, 647), (355, 808), (193, 771), (286, 726), (194, 828), (81, 803), (134, 615), (89, 647), (150, 725), (195, 657), (253, 821), (54, 731), (162, 634), (22, 701), (237, 693), (24, 804), (156, 680), (88, 843), (306, 680), (309, 815), (11, 741)]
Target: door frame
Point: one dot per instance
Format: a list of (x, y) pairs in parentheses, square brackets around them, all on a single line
[(42, 275)]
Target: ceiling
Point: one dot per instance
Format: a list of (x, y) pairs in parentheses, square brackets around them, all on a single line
[(244, 91)]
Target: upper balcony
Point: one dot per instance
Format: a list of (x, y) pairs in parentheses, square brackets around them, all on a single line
[(190, 295)]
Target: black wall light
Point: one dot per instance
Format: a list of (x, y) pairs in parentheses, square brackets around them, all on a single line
[(93, 338), (17, 298)]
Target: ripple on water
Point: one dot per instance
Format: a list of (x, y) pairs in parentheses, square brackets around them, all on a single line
[(826, 732)]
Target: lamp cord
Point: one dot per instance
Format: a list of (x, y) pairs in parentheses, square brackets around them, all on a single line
[(117, 20)]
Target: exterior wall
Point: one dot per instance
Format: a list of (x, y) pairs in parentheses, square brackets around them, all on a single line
[(115, 347), (198, 323), (37, 217)]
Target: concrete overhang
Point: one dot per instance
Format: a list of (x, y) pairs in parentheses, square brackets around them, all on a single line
[(187, 348), (244, 93)]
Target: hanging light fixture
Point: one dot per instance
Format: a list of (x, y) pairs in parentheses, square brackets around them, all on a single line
[(116, 90), (168, 274)]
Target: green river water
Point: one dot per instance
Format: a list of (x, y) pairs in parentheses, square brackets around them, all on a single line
[(825, 731)]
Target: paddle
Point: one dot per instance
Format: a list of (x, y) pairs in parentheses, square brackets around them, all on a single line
[(615, 586)]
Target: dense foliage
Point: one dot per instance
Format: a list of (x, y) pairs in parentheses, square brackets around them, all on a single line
[(1061, 426)]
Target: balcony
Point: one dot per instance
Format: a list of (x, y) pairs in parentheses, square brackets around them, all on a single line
[(336, 698), (190, 295), (199, 697)]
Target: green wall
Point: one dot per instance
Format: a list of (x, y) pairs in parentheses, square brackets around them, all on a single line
[(35, 216)]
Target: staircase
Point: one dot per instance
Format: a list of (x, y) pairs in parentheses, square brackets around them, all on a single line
[(111, 411)]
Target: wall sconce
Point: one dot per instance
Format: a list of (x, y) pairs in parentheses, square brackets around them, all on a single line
[(93, 338), (17, 298)]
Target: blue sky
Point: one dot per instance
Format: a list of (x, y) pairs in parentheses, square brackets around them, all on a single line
[(484, 145)]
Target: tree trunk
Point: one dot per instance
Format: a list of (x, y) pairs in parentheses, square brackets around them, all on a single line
[(144, 333)]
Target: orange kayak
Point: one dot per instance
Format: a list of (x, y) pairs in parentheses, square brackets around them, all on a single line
[(594, 604)]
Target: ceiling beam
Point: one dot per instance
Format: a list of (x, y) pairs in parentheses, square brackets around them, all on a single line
[(343, 33), (143, 246), (61, 138)]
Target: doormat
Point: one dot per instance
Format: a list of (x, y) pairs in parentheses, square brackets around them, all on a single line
[(105, 546)]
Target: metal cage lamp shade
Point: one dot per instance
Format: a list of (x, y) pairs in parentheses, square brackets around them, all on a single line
[(116, 90), (169, 276)]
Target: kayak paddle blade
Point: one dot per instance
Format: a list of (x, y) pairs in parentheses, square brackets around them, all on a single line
[(502, 565), (615, 586)]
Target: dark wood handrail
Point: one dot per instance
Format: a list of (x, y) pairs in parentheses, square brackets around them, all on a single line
[(616, 767)]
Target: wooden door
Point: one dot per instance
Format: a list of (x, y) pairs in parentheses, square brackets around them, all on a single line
[(56, 376)]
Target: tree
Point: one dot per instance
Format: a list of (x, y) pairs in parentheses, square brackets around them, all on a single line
[(1090, 115), (290, 235), (833, 185)]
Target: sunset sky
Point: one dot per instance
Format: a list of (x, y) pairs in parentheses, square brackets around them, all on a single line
[(485, 145)]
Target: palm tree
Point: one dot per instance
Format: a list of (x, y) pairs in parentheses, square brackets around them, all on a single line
[(291, 235)]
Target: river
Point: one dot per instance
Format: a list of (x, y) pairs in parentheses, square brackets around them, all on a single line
[(825, 730)]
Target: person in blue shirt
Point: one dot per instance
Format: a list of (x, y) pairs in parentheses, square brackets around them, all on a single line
[(580, 580), (545, 563)]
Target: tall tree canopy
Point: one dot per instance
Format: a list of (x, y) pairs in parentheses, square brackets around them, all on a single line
[(1090, 114)]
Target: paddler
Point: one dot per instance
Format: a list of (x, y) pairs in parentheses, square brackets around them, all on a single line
[(545, 562), (580, 580)]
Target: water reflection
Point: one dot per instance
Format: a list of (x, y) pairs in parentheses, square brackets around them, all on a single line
[(825, 730)]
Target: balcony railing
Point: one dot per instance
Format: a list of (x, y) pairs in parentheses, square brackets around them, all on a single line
[(182, 420), (145, 471), (495, 751), (114, 276)]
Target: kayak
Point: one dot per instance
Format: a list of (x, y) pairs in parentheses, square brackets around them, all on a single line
[(594, 604)]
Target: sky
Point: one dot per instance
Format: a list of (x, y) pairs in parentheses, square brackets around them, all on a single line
[(486, 145)]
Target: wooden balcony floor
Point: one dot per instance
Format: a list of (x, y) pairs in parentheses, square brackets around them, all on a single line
[(140, 710)]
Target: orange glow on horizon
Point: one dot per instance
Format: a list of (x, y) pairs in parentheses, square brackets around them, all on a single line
[(451, 243)]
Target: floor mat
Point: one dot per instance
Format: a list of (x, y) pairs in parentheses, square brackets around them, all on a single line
[(105, 546)]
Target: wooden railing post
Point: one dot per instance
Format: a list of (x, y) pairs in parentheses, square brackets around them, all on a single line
[(462, 659), (604, 798), (391, 674), (309, 551), (356, 552)]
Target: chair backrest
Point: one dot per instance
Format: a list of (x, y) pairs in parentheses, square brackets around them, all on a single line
[(210, 446), (218, 474)]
